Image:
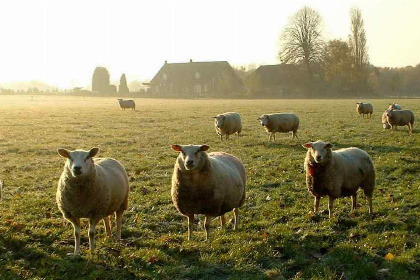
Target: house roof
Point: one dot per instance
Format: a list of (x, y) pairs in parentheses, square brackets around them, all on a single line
[(277, 74), (189, 72)]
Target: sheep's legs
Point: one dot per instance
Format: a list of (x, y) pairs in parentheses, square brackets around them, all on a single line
[(330, 206), (118, 216), (76, 225), (222, 221), (294, 134), (107, 226), (190, 225), (235, 218), (92, 225), (207, 221), (353, 202), (369, 198), (316, 203)]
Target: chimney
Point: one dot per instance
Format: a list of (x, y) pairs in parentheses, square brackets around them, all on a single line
[(166, 62), (190, 60)]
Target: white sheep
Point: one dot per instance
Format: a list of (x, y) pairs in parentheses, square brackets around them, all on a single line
[(385, 123), (338, 173), (400, 118), (91, 188), (127, 104), (227, 124), (364, 109), (210, 184), (280, 122)]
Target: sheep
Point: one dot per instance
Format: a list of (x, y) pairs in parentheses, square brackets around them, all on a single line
[(127, 104), (91, 188), (394, 106), (280, 122), (364, 109), (400, 118), (385, 123), (228, 123), (338, 173), (207, 183)]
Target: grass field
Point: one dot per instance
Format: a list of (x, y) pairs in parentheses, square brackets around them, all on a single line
[(278, 238)]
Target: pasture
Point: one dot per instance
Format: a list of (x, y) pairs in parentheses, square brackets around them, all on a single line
[(278, 237)]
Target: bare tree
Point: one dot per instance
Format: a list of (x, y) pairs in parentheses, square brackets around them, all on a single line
[(358, 48), (301, 40)]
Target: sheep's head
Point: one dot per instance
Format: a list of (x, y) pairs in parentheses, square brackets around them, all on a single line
[(219, 120), (359, 105), (79, 162), (264, 120), (192, 156), (319, 150)]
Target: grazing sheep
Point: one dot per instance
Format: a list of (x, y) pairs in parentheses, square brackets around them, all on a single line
[(280, 122), (207, 183), (127, 104), (394, 106), (228, 123), (385, 123), (91, 188), (364, 109), (400, 118), (338, 173)]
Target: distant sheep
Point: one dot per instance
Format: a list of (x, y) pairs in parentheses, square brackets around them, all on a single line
[(91, 188), (227, 124), (338, 173), (400, 118), (210, 184), (385, 123), (127, 104), (364, 109), (280, 122), (394, 106)]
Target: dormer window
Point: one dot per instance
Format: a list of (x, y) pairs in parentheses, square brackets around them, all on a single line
[(197, 75)]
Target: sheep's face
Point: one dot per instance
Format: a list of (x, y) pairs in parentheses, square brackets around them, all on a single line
[(219, 120), (79, 162), (264, 120), (191, 155), (359, 105), (318, 150)]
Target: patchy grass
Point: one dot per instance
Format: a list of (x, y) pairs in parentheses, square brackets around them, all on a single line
[(278, 237)]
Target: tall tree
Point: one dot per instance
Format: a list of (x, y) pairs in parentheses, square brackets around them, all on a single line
[(358, 48), (100, 80), (123, 85), (301, 40), (337, 65)]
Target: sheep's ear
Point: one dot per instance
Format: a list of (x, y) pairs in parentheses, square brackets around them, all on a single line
[(93, 152), (329, 146), (307, 145), (204, 148), (259, 119), (214, 117), (63, 152), (176, 148)]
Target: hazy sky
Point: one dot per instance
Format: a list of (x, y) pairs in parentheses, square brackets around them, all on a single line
[(61, 42)]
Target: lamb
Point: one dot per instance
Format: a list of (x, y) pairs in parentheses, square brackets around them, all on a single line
[(280, 122), (400, 118), (91, 188), (227, 124), (364, 109), (207, 183), (394, 106), (338, 173), (385, 123), (127, 104)]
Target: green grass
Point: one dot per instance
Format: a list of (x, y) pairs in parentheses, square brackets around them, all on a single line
[(278, 237)]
